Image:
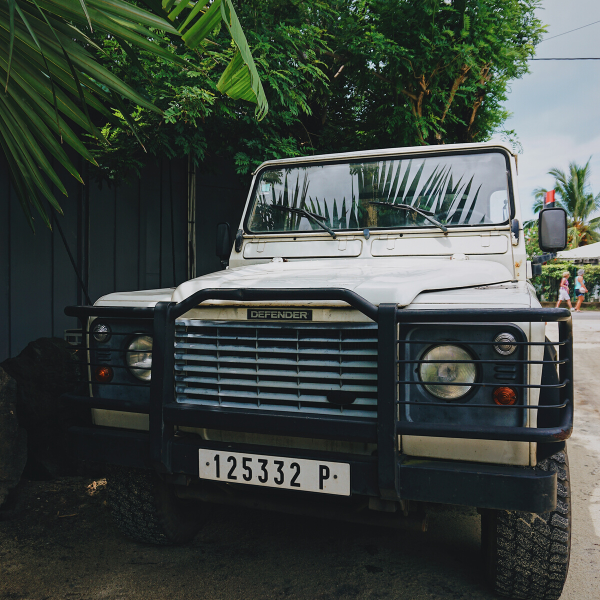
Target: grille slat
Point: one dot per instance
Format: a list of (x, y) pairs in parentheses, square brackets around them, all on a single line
[(273, 397), (348, 412), (280, 384), (273, 372), (274, 349), (280, 367), (277, 361)]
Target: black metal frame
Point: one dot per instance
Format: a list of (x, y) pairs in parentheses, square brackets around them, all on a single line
[(165, 414)]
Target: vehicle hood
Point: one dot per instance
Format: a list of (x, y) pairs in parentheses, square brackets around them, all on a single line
[(140, 299), (385, 280)]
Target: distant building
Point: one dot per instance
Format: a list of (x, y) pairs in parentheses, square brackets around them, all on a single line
[(589, 254)]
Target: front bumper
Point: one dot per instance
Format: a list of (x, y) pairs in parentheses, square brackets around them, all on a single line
[(435, 481), (388, 474)]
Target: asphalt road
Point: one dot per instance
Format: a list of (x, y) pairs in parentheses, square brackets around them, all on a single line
[(62, 544)]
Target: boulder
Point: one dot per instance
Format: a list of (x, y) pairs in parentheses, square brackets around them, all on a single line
[(13, 439), (46, 369)]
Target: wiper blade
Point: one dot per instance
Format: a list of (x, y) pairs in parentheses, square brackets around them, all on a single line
[(413, 209), (309, 215)]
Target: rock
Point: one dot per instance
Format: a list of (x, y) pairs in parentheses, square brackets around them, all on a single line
[(46, 369), (43, 371), (13, 439)]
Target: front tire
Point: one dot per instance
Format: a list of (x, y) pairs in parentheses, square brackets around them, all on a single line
[(146, 509), (526, 554)]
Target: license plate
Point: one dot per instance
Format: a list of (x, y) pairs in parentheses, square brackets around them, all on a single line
[(277, 472)]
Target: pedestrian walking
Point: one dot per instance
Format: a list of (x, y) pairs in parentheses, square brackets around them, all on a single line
[(580, 289), (563, 292)]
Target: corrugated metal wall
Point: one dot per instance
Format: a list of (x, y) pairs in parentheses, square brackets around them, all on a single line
[(129, 238)]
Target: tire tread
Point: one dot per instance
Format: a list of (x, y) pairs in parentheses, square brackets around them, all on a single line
[(145, 510), (529, 553)]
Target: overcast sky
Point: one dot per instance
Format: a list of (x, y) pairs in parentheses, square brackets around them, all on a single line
[(556, 108)]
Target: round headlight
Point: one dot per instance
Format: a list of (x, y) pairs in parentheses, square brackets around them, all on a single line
[(139, 357), (101, 333), (435, 374), (505, 344)]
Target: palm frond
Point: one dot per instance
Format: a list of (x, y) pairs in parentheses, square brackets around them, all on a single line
[(195, 22), (50, 78), (452, 203), (455, 212)]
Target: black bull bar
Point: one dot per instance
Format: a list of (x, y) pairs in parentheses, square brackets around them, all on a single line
[(388, 472)]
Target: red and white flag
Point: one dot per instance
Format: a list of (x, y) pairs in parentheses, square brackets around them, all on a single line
[(549, 200)]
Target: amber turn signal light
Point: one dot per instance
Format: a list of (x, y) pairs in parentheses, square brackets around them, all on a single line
[(103, 374), (505, 396)]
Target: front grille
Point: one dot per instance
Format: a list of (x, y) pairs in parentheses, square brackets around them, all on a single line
[(280, 367)]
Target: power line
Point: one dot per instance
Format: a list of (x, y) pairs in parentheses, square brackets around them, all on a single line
[(587, 58), (570, 31)]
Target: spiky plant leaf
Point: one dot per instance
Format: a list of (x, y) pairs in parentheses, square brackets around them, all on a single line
[(49, 77)]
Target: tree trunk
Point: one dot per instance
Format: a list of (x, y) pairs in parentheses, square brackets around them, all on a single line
[(462, 76)]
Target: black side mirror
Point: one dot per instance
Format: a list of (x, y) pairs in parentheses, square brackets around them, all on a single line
[(224, 243), (552, 229)]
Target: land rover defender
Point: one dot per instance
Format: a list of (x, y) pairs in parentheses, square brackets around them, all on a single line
[(371, 349)]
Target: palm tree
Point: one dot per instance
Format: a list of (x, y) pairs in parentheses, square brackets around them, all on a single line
[(50, 78), (575, 196)]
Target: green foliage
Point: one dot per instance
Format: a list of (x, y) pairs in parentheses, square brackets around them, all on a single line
[(53, 80), (205, 124), (531, 240), (341, 75), (575, 196), (185, 97), (547, 284), (423, 72)]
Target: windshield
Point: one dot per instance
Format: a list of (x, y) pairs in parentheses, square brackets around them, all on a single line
[(453, 190)]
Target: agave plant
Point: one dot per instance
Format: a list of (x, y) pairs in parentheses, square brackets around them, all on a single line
[(280, 220), (383, 182), (338, 218), (574, 196), (51, 78)]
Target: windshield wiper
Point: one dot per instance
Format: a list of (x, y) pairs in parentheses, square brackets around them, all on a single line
[(413, 209), (311, 216)]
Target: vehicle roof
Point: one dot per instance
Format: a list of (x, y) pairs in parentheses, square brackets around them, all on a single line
[(384, 152)]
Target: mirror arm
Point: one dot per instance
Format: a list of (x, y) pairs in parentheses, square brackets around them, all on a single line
[(537, 261), (542, 258)]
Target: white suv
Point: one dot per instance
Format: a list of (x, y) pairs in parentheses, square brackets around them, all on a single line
[(371, 348)]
